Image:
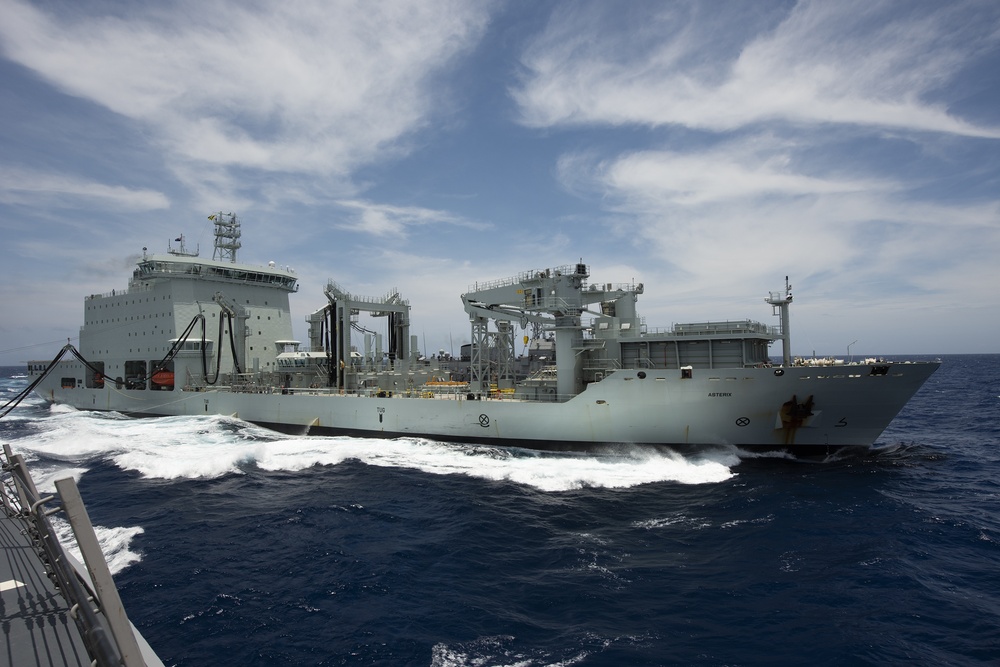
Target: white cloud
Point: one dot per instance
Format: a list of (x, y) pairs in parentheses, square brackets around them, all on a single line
[(305, 87), (389, 220), (861, 63), (715, 148), (31, 187), (692, 179), (737, 214), (766, 123)]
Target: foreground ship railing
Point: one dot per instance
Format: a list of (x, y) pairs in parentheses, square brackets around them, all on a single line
[(94, 603)]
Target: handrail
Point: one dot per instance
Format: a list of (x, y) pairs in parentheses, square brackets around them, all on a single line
[(106, 631), (523, 277), (392, 298)]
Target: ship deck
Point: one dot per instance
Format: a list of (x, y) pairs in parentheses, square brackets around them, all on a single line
[(36, 620), (56, 611)]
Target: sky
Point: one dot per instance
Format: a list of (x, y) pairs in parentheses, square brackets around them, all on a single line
[(704, 149)]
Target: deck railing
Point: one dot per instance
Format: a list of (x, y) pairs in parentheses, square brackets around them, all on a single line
[(106, 630)]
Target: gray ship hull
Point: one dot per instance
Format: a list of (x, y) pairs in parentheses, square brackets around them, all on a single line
[(798, 409)]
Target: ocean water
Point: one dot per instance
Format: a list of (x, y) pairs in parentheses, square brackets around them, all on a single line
[(233, 545)]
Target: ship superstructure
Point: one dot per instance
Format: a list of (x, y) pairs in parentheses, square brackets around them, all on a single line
[(612, 338), (231, 312), (194, 336)]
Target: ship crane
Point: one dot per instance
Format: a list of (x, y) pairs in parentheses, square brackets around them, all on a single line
[(341, 308), (554, 297)]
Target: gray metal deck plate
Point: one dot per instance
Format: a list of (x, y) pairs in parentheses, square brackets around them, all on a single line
[(35, 618)]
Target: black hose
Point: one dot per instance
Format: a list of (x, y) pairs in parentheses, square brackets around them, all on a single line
[(232, 345), (204, 354), (16, 400)]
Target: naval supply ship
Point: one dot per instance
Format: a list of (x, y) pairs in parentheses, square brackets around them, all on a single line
[(193, 336)]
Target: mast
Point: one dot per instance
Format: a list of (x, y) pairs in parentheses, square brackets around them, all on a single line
[(779, 302), (227, 236)]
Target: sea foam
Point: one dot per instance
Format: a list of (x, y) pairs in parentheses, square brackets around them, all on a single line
[(213, 446)]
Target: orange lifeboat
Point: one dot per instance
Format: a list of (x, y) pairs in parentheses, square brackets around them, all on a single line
[(163, 378)]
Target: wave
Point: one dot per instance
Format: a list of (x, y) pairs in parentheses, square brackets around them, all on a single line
[(215, 446), (500, 650), (115, 543), (60, 443)]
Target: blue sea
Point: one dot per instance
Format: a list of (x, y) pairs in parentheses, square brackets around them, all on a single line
[(234, 545)]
